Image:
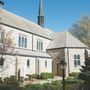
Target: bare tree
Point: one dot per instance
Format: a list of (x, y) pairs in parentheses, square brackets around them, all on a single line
[(81, 30), (7, 45)]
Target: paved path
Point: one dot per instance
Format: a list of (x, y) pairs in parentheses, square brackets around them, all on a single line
[(35, 81)]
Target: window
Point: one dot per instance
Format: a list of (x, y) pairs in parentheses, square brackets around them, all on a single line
[(22, 41), (28, 63), (19, 41), (76, 60), (25, 42), (1, 61), (39, 45), (1, 36), (45, 63)]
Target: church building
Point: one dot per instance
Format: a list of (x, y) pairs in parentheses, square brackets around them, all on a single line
[(31, 41)]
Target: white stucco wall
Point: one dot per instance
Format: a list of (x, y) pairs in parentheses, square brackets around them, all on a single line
[(15, 34), (69, 59), (30, 44), (8, 68), (22, 59), (54, 68), (88, 52), (72, 52), (42, 67), (45, 42), (22, 65)]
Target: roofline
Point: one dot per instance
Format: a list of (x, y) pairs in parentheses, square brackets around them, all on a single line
[(27, 55), (24, 30), (67, 47)]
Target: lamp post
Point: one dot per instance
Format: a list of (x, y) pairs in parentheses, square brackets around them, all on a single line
[(63, 65)]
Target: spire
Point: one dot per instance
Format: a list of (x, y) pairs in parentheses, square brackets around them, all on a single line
[(40, 14), (40, 8)]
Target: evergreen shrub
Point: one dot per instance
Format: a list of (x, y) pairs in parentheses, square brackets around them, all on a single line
[(46, 75), (74, 75)]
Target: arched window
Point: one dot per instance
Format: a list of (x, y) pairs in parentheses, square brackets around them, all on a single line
[(22, 41), (25, 42), (45, 63), (19, 41), (39, 44), (78, 56), (75, 63), (75, 56), (76, 60), (79, 62), (1, 61), (28, 63)]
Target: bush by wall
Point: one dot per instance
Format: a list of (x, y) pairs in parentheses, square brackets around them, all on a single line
[(46, 75), (55, 85), (33, 87), (41, 76), (73, 84), (74, 75), (9, 83), (12, 80)]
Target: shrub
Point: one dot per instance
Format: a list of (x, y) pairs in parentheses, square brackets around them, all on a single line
[(74, 75), (72, 84), (5, 79), (47, 86), (33, 87), (52, 75), (1, 80), (46, 75), (12, 80), (35, 76), (56, 85)]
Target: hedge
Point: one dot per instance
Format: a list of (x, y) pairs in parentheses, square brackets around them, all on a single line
[(55, 85), (46, 75)]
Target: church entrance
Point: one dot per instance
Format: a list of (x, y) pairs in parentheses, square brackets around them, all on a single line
[(59, 71)]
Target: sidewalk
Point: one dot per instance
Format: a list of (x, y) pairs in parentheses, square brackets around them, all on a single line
[(40, 81)]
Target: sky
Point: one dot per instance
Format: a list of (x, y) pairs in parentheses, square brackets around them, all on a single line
[(60, 15)]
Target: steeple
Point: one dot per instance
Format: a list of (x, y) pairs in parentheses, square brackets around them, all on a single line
[(40, 14)]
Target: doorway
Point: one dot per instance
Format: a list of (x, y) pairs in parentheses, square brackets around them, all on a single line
[(59, 71)]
